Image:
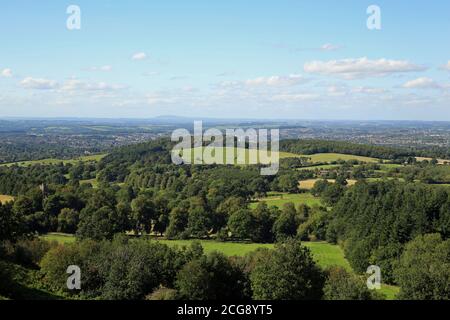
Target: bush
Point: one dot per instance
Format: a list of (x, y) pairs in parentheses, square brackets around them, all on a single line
[(211, 277), (163, 294), (6, 279), (287, 273), (423, 271), (31, 252), (341, 285)]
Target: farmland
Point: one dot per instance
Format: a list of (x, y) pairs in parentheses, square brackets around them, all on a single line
[(324, 253), (278, 199), (309, 184), (5, 198), (90, 158), (250, 154), (331, 157)]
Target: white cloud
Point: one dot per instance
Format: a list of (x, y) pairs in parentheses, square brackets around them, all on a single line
[(447, 66), (421, 83), (139, 56), (38, 84), (298, 97), (75, 85), (150, 73), (369, 90), (7, 73), (276, 81), (329, 47), (106, 68), (361, 68)]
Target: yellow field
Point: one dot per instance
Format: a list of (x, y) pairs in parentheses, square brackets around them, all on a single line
[(5, 198), (440, 161), (309, 184)]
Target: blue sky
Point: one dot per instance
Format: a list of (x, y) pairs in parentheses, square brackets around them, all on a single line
[(233, 59)]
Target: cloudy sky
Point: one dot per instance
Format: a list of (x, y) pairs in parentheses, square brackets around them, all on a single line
[(234, 59)]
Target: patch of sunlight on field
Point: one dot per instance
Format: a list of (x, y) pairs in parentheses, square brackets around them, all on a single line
[(243, 156), (91, 158), (330, 157), (309, 184), (93, 182), (325, 254), (321, 167), (440, 161), (390, 292), (239, 156), (5, 199), (278, 199), (59, 237)]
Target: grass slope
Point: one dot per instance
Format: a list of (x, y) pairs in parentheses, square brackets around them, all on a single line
[(92, 158), (209, 155), (309, 184), (325, 254), (278, 199)]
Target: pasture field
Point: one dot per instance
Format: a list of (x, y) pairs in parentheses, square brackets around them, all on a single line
[(93, 182), (385, 167), (330, 157), (320, 167), (209, 155), (5, 198), (59, 237), (309, 184), (250, 156), (324, 253), (91, 158), (278, 199), (384, 178), (440, 161)]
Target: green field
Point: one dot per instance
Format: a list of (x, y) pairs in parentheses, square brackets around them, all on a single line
[(309, 184), (324, 253), (330, 157), (59, 237), (320, 167), (92, 158), (278, 199), (253, 154), (5, 198), (93, 182), (388, 166)]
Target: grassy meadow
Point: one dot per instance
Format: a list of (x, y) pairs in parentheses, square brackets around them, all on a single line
[(309, 184), (91, 158), (324, 253), (278, 199), (251, 156)]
